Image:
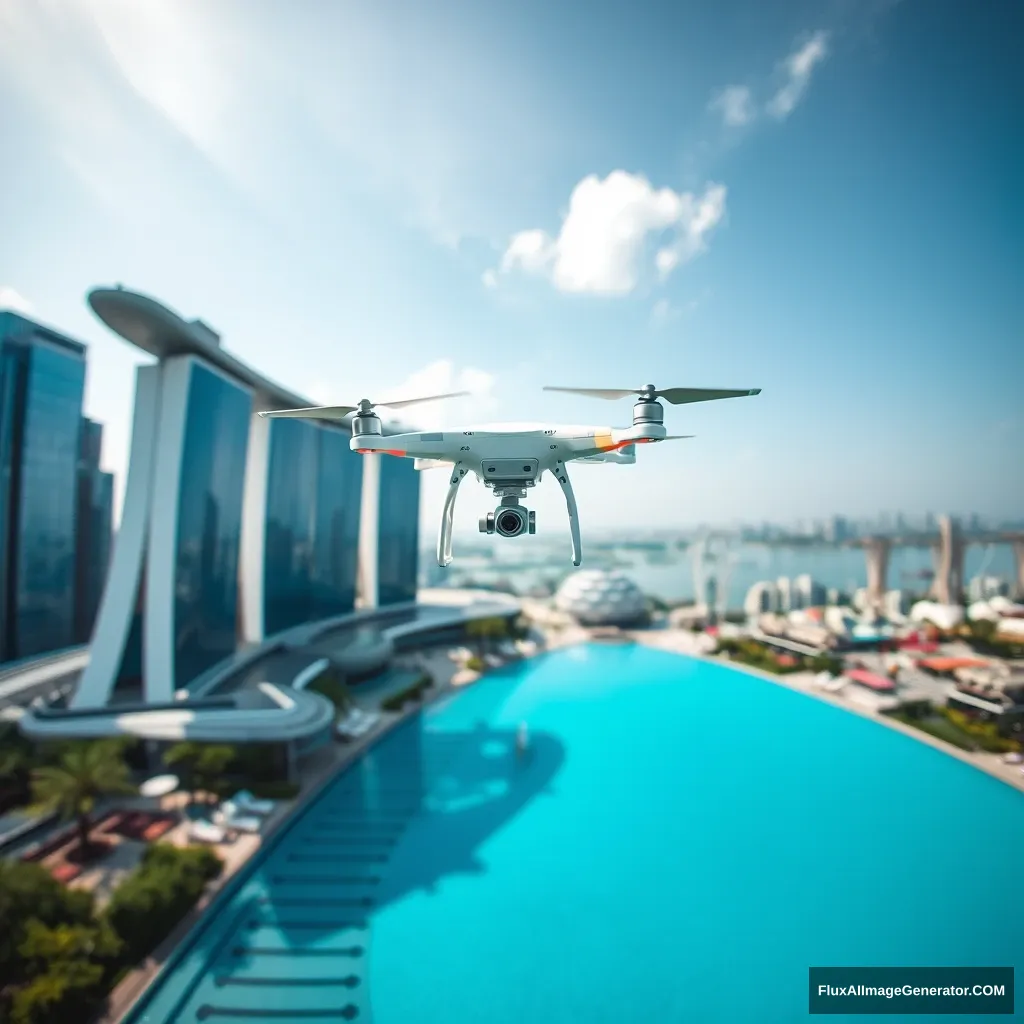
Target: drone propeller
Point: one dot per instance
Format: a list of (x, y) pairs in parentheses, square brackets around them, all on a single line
[(364, 408), (675, 396)]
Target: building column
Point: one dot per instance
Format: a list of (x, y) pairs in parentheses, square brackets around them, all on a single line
[(158, 648), (876, 551), (369, 534), (948, 586), (254, 530), (120, 593), (1018, 560)]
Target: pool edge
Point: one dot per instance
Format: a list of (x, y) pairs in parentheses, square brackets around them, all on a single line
[(140, 983)]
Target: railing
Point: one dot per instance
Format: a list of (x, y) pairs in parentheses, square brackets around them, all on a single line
[(11, 669)]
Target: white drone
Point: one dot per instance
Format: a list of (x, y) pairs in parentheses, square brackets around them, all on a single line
[(510, 460)]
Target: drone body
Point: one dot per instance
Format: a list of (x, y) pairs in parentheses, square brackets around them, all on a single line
[(510, 460)]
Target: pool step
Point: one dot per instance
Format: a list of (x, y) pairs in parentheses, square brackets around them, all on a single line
[(207, 1012)]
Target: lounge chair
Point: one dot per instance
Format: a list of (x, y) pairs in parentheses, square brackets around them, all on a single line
[(347, 726), (230, 817), (203, 831), (249, 804), (357, 723)]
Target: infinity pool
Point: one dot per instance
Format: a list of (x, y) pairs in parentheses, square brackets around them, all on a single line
[(681, 842)]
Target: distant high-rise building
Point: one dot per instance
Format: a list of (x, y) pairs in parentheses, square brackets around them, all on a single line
[(761, 599), (42, 379), (807, 593), (837, 530), (93, 529), (982, 588), (896, 605), (784, 587)]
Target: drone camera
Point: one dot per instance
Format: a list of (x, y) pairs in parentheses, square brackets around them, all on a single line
[(509, 521)]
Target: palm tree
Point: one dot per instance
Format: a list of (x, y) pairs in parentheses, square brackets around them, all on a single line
[(85, 771)]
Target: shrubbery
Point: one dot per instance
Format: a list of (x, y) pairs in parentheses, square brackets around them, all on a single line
[(30, 895), (414, 692), (279, 790), (984, 734), (329, 685), (758, 655), (935, 725), (147, 905), (58, 958)]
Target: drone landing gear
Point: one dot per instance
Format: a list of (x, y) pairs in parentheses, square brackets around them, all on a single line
[(562, 476), (444, 538)]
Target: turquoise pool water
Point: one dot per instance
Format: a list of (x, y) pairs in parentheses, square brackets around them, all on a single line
[(680, 844)]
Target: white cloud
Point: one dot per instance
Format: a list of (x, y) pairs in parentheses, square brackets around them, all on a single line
[(735, 104), (442, 377), (604, 238), (13, 300), (798, 68)]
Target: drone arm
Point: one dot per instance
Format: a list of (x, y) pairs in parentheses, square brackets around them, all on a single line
[(444, 537), (562, 476), (407, 446)]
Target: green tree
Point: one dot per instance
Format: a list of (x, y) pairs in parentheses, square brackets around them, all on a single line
[(485, 631), (29, 894), (201, 766), (85, 772), (43, 946), (69, 992), (982, 629)]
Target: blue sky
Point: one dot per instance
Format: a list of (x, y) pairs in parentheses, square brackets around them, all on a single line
[(818, 199)]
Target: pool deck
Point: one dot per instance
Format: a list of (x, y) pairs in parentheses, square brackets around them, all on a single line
[(316, 776), (682, 642)]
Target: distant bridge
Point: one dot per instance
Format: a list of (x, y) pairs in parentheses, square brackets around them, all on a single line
[(948, 543), (949, 546)]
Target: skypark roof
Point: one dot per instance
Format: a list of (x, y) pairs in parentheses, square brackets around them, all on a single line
[(152, 327)]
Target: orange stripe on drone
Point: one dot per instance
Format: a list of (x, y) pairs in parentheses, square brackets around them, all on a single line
[(624, 444), (379, 451)]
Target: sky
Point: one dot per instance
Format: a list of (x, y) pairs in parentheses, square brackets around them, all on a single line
[(820, 199)]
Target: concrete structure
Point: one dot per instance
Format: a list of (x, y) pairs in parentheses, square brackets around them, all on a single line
[(261, 694), (981, 588), (596, 597), (896, 605), (948, 586), (762, 598), (784, 588), (808, 593), (948, 551), (235, 530)]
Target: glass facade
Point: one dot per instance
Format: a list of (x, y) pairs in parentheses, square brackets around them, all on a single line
[(312, 530), (94, 530), (209, 522), (398, 539), (43, 379)]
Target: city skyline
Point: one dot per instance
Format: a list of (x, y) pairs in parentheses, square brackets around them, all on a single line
[(791, 185)]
